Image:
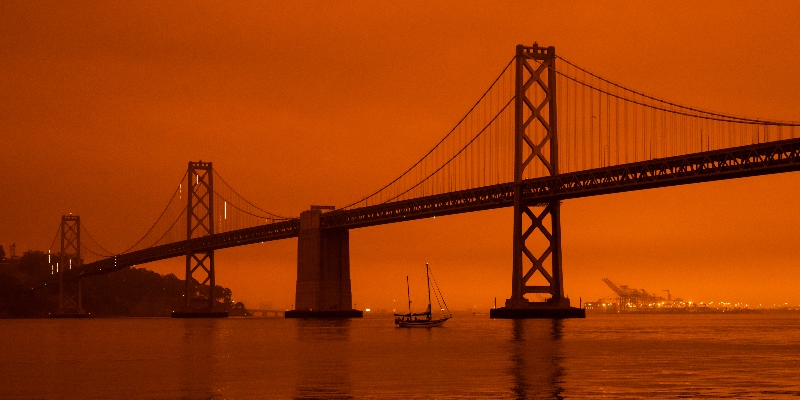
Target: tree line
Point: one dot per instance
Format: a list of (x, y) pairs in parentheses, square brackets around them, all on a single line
[(130, 292)]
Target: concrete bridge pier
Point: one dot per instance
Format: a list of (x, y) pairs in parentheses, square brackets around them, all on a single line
[(323, 270)]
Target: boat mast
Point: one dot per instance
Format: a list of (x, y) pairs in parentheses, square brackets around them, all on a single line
[(427, 273), (409, 295)]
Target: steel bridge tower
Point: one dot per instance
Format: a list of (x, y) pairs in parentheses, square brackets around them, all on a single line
[(69, 292), (200, 300), (536, 143)]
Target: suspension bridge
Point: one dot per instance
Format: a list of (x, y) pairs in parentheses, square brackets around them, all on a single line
[(545, 130)]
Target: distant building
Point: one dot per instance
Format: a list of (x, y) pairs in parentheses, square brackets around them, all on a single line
[(600, 306), (5, 263), (13, 249)]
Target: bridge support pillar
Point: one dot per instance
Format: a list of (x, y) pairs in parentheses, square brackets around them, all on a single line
[(200, 297), (69, 291), (536, 149), (323, 271)]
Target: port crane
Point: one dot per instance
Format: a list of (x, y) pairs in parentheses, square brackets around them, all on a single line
[(632, 298)]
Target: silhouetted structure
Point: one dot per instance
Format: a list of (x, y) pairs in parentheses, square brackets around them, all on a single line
[(323, 270), (69, 291), (535, 129), (569, 134), (199, 258)]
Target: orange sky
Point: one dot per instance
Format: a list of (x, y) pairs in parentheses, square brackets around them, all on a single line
[(299, 103)]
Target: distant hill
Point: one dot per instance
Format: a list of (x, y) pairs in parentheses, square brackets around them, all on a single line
[(130, 292)]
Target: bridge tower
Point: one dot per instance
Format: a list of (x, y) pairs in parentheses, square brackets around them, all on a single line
[(200, 300), (538, 245), (323, 270), (69, 258)]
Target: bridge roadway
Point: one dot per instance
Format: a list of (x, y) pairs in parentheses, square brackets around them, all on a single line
[(735, 162)]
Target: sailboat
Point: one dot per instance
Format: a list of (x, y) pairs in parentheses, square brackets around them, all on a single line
[(413, 320)]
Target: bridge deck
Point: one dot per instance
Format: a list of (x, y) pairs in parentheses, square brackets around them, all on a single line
[(736, 162), (240, 237)]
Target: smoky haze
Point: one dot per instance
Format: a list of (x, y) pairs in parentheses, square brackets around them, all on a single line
[(322, 103)]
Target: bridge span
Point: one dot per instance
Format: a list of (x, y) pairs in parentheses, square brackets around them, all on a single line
[(545, 131), (746, 161)]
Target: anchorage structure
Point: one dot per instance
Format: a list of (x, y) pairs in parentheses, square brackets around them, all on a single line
[(323, 270), (536, 142)]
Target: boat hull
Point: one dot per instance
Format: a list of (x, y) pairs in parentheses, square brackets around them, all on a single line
[(420, 323)]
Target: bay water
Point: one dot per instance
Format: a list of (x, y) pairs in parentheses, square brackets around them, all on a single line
[(753, 355)]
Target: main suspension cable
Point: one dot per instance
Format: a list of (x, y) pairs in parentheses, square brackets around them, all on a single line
[(441, 141), (86, 230), (721, 117), (170, 228), (276, 216), (454, 156), (55, 237), (161, 215), (706, 117)]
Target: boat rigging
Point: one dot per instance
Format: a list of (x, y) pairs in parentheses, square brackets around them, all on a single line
[(413, 320)]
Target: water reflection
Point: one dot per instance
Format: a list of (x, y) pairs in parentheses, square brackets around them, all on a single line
[(201, 353), (323, 358), (536, 359)]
